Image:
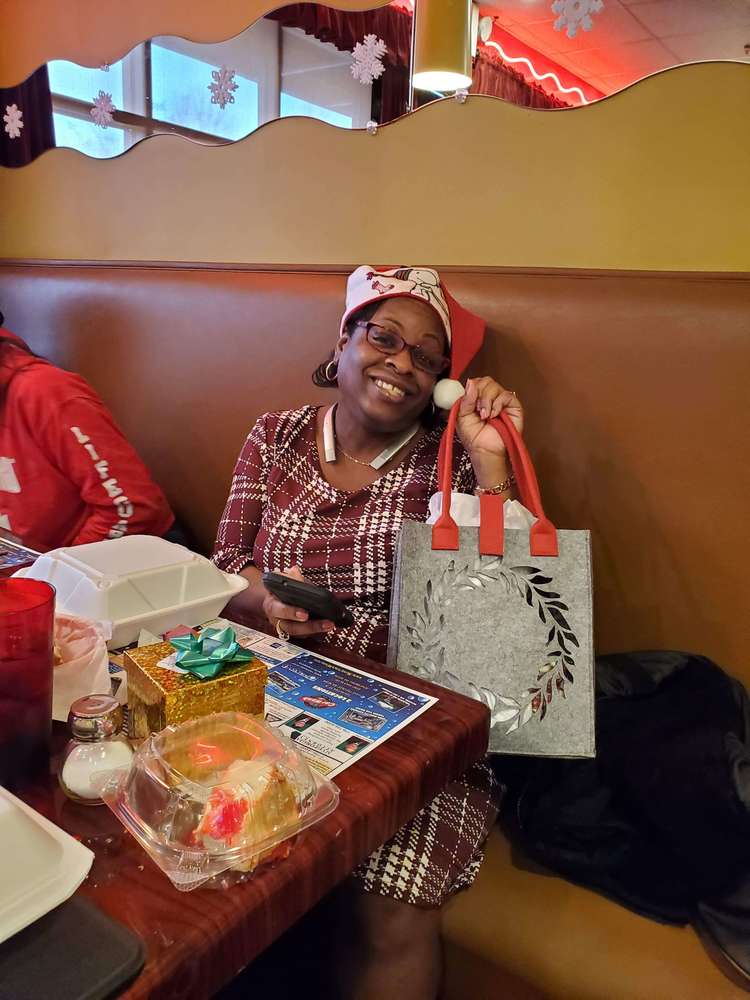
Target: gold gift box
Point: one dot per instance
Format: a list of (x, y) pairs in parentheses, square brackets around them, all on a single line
[(158, 697)]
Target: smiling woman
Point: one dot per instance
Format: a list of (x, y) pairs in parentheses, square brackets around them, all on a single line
[(324, 491), (388, 378)]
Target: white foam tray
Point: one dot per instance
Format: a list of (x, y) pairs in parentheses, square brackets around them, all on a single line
[(136, 582), (40, 865)]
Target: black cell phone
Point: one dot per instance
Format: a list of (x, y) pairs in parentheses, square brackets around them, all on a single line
[(13, 553), (317, 601)]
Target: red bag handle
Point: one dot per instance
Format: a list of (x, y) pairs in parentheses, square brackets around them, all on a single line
[(542, 536)]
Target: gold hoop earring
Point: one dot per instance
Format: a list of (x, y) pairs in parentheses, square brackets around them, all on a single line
[(331, 377)]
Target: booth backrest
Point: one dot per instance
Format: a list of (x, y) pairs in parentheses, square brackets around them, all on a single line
[(634, 384)]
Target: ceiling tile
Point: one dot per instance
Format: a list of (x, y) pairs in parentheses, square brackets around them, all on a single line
[(613, 26), (636, 59), (632, 38), (525, 34), (727, 44), (611, 84), (520, 11), (501, 17), (571, 61), (686, 17)]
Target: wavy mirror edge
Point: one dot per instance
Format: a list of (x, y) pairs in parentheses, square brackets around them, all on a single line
[(34, 33), (284, 61), (623, 95), (223, 84)]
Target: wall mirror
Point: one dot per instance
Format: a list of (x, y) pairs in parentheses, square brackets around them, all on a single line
[(350, 68), (281, 66)]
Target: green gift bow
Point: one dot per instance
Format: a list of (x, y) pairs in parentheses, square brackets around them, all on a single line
[(206, 656)]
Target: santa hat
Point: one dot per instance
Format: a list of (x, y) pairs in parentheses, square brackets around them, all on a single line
[(464, 330)]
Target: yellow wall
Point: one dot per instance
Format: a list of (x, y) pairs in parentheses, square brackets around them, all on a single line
[(656, 177)]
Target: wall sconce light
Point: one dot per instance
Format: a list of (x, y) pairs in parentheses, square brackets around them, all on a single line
[(442, 45), (481, 28)]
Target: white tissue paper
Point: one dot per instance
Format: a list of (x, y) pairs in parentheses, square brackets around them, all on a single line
[(81, 662), (465, 511)]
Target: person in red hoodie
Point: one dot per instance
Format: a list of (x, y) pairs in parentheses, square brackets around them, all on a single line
[(67, 473)]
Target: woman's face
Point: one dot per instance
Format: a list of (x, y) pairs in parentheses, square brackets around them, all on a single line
[(387, 392)]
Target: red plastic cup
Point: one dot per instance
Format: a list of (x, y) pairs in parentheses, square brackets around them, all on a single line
[(27, 615)]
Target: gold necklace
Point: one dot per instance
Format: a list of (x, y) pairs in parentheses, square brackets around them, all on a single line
[(330, 441), (351, 458)]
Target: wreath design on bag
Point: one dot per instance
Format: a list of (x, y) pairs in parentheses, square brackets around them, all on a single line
[(530, 583)]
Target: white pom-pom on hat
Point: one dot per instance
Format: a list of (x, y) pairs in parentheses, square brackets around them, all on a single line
[(446, 392)]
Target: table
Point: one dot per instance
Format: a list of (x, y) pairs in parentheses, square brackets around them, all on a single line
[(197, 942)]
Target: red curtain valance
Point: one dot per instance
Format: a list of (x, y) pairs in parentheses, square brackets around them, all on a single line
[(494, 77), (344, 28)]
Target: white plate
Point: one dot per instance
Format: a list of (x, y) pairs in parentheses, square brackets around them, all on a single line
[(40, 865)]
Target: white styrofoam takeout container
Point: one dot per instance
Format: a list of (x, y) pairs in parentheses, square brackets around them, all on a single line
[(40, 865), (136, 582)]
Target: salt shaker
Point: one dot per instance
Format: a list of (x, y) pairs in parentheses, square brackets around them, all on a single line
[(97, 747)]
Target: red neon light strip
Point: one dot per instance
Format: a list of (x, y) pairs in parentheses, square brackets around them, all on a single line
[(537, 76), (539, 66)]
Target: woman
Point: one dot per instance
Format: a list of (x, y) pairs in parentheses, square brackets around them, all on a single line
[(321, 492), (67, 474)]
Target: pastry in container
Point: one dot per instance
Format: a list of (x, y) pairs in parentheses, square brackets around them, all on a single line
[(220, 793)]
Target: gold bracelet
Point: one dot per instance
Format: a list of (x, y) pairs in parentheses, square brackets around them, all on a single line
[(495, 490)]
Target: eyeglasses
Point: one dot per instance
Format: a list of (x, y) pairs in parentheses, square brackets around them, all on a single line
[(389, 342)]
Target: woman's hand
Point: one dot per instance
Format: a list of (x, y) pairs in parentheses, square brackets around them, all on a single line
[(296, 622), (485, 399)]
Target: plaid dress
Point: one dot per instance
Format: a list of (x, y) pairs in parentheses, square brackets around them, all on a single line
[(282, 512)]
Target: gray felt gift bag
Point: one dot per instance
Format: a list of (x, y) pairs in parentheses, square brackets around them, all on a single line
[(503, 616)]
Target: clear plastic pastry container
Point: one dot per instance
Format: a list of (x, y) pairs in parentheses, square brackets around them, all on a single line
[(221, 793)]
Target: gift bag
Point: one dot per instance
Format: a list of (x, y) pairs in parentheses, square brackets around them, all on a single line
[(504, 616)]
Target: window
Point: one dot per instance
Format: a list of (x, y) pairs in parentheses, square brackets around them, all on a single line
[(77, 133), (165, 86), (83, 83), (180, 94), (317, 81), (291, 106), (73, 89)]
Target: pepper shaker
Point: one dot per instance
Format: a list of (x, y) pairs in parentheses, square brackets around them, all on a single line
[(97, 746)]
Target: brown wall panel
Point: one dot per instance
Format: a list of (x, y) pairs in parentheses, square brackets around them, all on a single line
[(635, 388)]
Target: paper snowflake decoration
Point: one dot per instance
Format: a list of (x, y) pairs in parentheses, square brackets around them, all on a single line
[(367, 57), (102, 109), (222, 87), (575, 14), (13, 119)]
